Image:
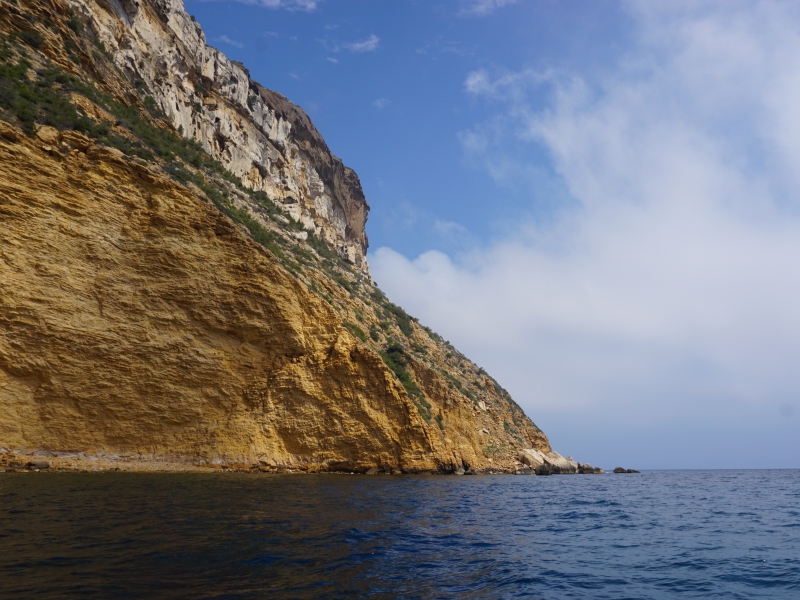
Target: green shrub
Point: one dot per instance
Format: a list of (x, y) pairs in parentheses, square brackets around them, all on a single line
[(75, 23), (467, 392), (402, 318), (343, 282), (32, 38), (395, 359), (355, 330), (374, 333), (151, 106)]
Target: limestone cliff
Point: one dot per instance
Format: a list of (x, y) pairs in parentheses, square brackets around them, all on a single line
[(258, 135), (160, 297)]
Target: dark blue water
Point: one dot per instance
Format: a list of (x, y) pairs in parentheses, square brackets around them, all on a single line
[(679, 534)]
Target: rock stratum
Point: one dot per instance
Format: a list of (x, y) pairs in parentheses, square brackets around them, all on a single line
[(183, 277)]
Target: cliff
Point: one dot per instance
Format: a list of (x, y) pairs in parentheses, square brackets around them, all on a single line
[(263, 139), (202, 298)]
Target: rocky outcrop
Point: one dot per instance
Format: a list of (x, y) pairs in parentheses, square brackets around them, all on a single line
[(587, 469), (552, 463), (257, 134)]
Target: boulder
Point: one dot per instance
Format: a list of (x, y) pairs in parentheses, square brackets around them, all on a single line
[(48, 135), (559, 464), (38, 464), (632, 471), (619, 470), (530, 457)]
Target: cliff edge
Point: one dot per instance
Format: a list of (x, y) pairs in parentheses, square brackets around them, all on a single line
[(182, 274)]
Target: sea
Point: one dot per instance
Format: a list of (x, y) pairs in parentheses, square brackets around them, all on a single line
[(658, 534)]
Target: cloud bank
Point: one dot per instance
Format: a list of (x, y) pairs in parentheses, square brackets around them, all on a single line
[(661, 303)]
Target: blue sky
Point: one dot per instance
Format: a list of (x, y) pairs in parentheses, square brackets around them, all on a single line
[(597, 202)]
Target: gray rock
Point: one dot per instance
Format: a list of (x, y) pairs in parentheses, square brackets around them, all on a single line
[(459, 471), (619, 470), (372, 471), (532, 458), (560, 465)]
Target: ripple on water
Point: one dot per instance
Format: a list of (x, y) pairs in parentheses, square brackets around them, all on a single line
[(688, 534)]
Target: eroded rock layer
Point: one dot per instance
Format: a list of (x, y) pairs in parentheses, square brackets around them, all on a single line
[(137, 318)]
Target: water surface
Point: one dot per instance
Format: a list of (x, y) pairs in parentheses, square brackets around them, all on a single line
[(663, 534)]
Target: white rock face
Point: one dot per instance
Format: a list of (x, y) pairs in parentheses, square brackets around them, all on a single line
[(535, 459), (558, 461), (531, 457), (258, 135)]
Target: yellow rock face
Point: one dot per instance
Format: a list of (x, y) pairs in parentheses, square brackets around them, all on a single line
[(135, 319)]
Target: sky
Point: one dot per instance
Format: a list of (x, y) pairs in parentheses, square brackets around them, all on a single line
[(598, 202)]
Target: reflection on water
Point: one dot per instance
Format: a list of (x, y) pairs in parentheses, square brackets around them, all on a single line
[(698, 534)]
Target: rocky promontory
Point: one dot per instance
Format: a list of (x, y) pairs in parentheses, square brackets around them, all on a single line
[(182, 273)]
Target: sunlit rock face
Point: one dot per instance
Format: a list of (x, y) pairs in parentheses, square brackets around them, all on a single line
[(142, 320), (257, 134)]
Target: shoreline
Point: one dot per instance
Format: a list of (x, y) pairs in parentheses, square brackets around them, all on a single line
[(14, 461)]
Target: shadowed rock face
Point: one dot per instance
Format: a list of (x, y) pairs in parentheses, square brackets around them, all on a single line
[(258, 135), (330, 169)]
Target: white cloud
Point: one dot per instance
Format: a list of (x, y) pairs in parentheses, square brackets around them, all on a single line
[(368, 45), (668, 294), (332, 59), (481, 8), (380, 103), (505, 85), (227, 40), (303, 5)]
